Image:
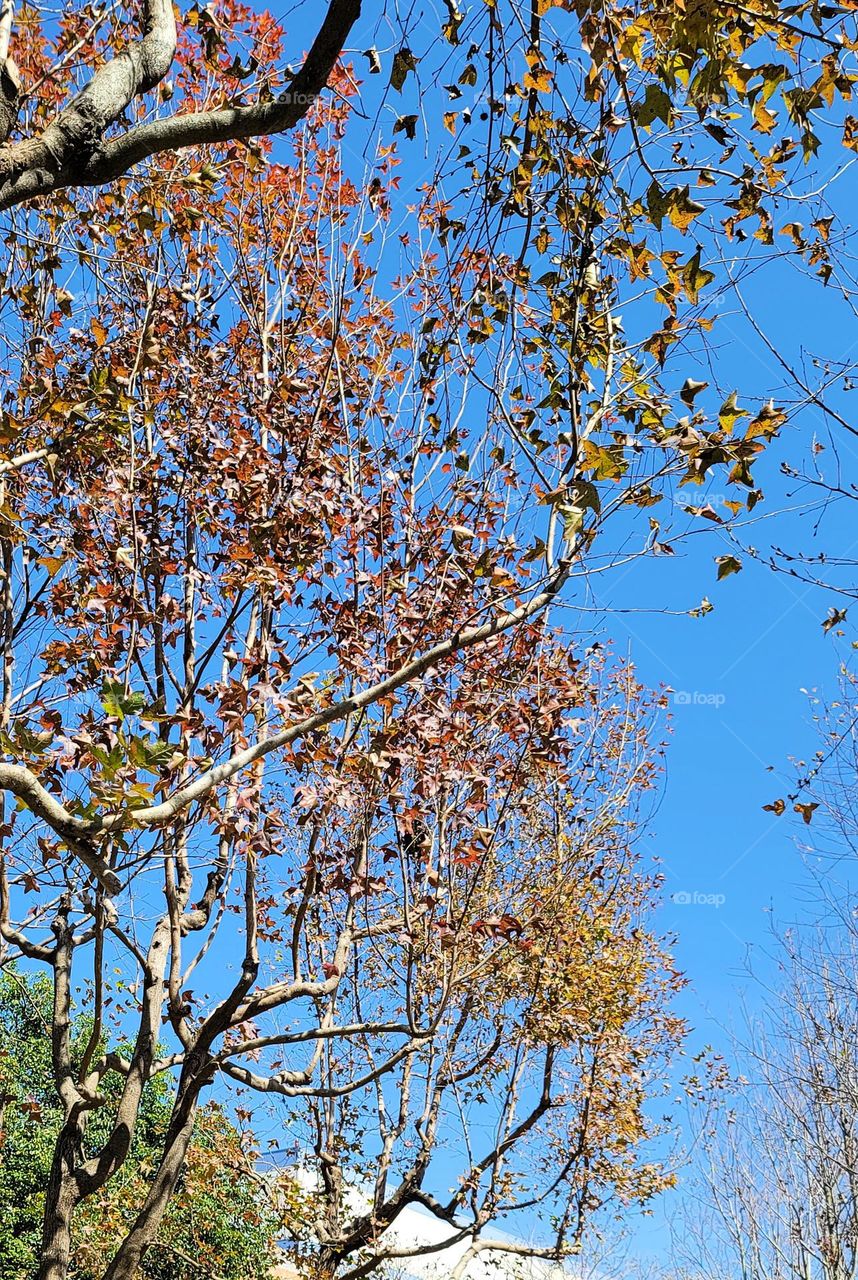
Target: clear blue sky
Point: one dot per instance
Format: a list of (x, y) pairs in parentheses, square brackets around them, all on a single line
[(751, 663)]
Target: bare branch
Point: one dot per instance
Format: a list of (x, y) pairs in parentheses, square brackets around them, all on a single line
[(32, 950), (521, 1249), (34, 455)]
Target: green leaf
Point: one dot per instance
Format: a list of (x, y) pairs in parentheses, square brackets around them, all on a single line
[(657, 203), (655, 106), (116, 702)]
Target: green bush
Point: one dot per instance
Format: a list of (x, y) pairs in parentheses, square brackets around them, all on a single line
[(220, 1222)]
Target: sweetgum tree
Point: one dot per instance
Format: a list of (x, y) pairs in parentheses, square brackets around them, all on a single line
[(286, 621), (308, 448)]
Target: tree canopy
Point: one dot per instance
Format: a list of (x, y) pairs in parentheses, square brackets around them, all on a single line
[(315, 449)]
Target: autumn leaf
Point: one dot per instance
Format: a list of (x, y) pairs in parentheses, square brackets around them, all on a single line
[(406, 125), (53, 564), (691, 388), (730, 412), (538, 79), (727, 565), (682, 209), (404, 62), (607, 464), (694, 277), (834, 619)]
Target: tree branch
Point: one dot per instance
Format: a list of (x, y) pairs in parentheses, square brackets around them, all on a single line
[(76, 832), (464, 638), (499, 1246), (71, 151)]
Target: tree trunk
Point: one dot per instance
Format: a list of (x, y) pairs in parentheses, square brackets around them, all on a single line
[(126, 1263), (61, 1197)]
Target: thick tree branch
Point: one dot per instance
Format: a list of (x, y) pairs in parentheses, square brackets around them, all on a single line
[(72, 150), (76, 832), (77, 133), (10, 84), (34, 455)]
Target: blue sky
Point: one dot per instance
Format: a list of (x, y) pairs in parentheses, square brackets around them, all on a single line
[(751, 662), (747, 672)]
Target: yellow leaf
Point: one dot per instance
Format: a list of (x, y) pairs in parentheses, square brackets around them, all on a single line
[(682, 210), (695, 277), (502, 580), (53, 564), (539, 80), (764, 119)]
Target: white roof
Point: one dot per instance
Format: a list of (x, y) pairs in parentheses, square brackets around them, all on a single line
[(416, 1227)]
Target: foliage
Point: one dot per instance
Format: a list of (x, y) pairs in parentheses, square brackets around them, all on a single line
[(306, 459), (219, 1223)]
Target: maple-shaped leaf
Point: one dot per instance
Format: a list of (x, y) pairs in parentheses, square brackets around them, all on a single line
[(694, 277), (406, 125), (835, 617)]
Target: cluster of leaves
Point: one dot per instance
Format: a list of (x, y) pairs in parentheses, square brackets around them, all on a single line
[(635, 160)]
